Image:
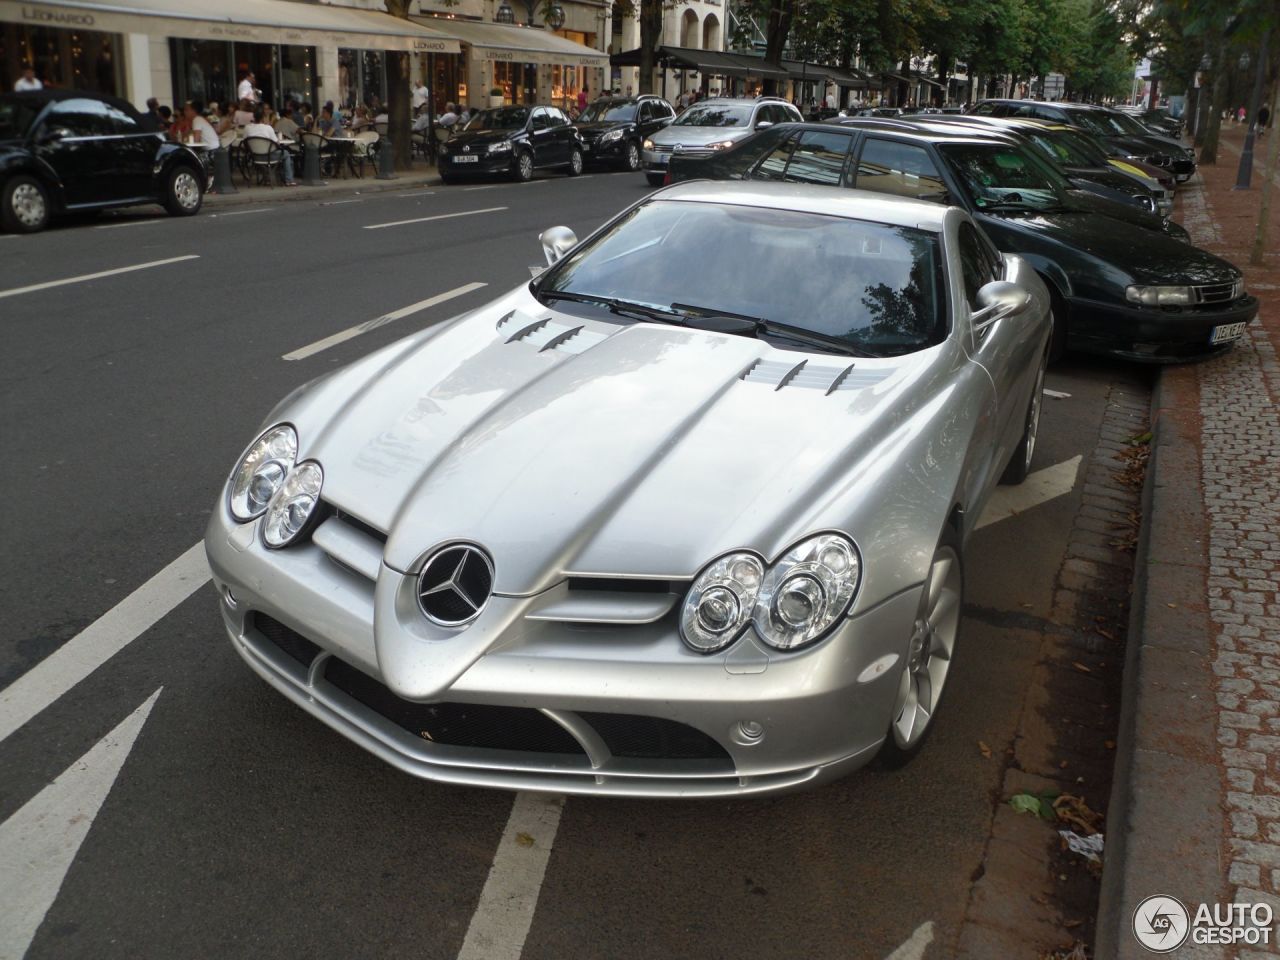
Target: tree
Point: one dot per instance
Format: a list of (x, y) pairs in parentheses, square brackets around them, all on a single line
[(399, 98)]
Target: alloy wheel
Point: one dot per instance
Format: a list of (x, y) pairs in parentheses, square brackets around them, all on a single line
[(933, 641), (525, 166), (575, 163), (28, 203), (186, 190), (633, 157), (1033, 417)]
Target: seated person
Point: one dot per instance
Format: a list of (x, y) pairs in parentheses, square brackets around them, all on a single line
[(203, 135), (361, 119), (259, 128), (243, 115)]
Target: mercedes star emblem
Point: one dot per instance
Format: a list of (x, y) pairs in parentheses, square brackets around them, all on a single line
[(455, 584)]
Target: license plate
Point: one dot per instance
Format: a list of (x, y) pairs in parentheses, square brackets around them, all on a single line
[(1227, 332), (661, 160), (466, 159)]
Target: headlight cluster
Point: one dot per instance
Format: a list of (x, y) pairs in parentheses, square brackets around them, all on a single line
[(648, 144), (443, 149), (270, 481), (1160, 296), (722, 144), (611, 135), (791, 603), (502, 146)]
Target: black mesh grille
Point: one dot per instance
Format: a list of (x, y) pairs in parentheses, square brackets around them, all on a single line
[(288, 640), (653, 738), (456, 724)]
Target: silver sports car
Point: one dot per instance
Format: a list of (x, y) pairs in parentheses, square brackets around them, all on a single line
[(683, 516)]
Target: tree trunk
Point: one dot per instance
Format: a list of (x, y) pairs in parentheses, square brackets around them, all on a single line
[(944, 78), (1268, 173), (1209, 151), (904, 86), (650, 14), (781, 13), (399, 101)]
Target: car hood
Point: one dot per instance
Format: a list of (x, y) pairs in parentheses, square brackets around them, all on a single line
[(697, 136), (1098, 251), (1132, 146), (1087, 202), (593, 130), (574, 445), (1108, 176), (480, 138)]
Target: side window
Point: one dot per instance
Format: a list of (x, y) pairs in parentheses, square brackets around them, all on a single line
[(121, 121), (973, 264), (665, 111), (903, 169), (984, 109), (1026, 110), (558, 118), (83, 118), (539, 120), (774, 164), (818, 157), (994, 262)]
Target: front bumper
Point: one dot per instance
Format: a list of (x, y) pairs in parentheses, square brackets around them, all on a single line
[(485, 164), (1153, 334), (824, 711), (613, 151)]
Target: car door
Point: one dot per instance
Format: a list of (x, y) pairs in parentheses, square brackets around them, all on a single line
[(76, 139), (135, 153), (655, 114), (565, 134), (540, 137)]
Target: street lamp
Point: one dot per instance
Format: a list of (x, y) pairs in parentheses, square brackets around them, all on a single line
[(504, 13)]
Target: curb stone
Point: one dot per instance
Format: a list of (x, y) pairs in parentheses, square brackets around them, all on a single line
[(1164, 818), (245, 196)]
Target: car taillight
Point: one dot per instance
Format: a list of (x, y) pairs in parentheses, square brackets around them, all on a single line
[(666, 180)]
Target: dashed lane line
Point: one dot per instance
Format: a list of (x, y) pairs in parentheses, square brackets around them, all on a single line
[(101, 640), (243, 213), (352, 332), (915, 947), (40, 841), (505, 911), (438, 216), (50, 284), (128, 223)]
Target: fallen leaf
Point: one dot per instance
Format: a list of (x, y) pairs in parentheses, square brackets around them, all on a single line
[(984, 750), (1080, 666), (524, 840), (1172, 606)]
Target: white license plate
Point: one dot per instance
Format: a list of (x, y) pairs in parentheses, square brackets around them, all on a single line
[(661, 160), (465, 159), (1227, 332)]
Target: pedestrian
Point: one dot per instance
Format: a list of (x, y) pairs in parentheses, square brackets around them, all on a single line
[(246, 90), (260, 128), (27, 80), (420, 96), (1264, 118), (583, 100)]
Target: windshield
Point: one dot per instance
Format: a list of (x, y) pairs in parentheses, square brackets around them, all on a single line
[(880, 292), (715, 115), (1094, 122), (1064, 148), (601, 112), (504, 118), (1127, 124), (1004, 176), (16, 117)]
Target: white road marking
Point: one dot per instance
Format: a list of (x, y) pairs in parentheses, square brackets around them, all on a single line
[(127, 223), (243, 213), (94, 276), (342, 336), (488, 186), (1056, 394), (1039, 487), (40, 841), (338, 203), (438, 216), (101, 640), (424, 193), (914, 948), (505, 912)]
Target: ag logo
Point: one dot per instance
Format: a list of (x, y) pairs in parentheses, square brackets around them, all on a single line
[(1161, 924)]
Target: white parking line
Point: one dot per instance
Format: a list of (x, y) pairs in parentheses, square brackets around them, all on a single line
[(101, 640), (40, 841), (243, 213), (487, 186), (127, 223), (438, 216), (94, 276), (342, 336), (1057, 394), (421, 193), (914, 948), (1039, 487), (505, 912)]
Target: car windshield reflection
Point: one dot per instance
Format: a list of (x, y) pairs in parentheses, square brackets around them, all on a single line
[(15, 119), (1004, 177), (719, 115), (504, 118), (608, 113), (880, 292)]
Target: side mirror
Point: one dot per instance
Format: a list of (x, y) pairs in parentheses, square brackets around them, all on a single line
[(557, 241), (999, 299), (764, 124)]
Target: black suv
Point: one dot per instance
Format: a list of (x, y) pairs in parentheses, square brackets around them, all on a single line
[(512, 140), (1124, 135), (613, 128), (1116, 287), (68, 150)]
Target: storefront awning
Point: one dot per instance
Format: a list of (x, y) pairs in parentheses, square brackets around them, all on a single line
[(506, 42), (714, 62), (821, 73), (249, 21)]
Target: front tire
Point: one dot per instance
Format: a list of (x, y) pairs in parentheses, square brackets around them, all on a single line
[(575, 163), (183, 195), (524, 166), (632, 160), (655, 179), (1019, 465), (929, 654), (24, 205)]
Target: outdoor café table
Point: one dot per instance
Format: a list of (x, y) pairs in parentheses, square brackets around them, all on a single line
[(344, 148)]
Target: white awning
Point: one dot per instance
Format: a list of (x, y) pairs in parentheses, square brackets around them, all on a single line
[(251, 21), (501, 41)]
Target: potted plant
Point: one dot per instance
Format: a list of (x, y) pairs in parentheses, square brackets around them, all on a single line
[(496, 97)]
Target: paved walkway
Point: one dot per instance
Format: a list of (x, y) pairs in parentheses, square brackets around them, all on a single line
[(421, 175)]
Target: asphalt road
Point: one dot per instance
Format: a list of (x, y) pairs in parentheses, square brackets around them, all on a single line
[(238, 826)]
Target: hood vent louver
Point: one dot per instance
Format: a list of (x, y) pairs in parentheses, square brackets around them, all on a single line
[(549, 333), (807, 375)]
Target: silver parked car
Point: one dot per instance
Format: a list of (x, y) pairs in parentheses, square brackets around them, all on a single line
[(667, 520), (711, 125)]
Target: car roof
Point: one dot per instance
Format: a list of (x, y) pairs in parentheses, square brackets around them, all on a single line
[(939, 132), (49, 94), (808, 198), (636, 99)]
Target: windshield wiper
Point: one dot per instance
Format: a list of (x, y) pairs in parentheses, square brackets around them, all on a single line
[(622, 308), (722, 322)]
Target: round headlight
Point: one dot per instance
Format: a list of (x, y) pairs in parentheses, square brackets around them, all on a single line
[(720, 601), (293, 505), (648, 144), (809, 588), (262, 471)]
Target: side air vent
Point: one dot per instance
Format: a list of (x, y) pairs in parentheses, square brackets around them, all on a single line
[(805, 375), (548, 333)]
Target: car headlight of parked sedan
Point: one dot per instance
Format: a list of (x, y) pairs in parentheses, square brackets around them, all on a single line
[(611, 135), (722, 144), (791, 603), (270, 481), (1172, 296), (648, 144), (502, 146)]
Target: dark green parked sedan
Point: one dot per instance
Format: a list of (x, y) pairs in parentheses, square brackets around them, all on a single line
[(1119, 284)]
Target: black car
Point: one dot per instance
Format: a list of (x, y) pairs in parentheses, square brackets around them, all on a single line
[(1159, 121), (1122, 134), (612, 128), (1116, 287), (512, 140), (68, 150), (1080, 159)]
